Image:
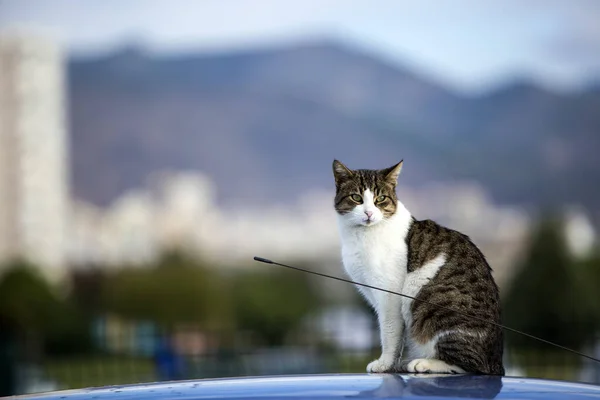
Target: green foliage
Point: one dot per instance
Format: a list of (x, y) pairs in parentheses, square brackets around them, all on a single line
[(87, 286), (32, 306), (546, 298), (70, 333), (100, 370), (272, 303), (176, 290), (179, 290), (588, 277), (27, 300)]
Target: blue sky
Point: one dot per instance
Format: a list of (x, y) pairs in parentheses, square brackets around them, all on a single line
[(468, 45)]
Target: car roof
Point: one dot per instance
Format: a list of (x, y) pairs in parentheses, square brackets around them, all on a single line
[(337, 386)]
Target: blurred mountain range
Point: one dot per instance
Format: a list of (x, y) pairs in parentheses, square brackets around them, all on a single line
[(266, 125)]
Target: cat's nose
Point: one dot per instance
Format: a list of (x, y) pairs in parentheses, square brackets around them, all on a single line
[(369, 213)]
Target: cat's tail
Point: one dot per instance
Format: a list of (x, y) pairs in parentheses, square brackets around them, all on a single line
[(474, 355)]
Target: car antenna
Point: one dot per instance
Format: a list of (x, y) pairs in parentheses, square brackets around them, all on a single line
[(267, 261)]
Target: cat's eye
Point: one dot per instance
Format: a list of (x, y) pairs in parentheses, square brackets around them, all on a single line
[(381, 198), (356, 198)]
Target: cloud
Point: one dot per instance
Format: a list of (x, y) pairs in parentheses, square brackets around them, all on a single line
[(577, 39), (464, 43)]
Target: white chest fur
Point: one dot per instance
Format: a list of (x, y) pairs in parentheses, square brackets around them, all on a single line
[(376, 255)]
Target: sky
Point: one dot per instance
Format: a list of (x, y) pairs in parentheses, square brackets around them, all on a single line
[(467, 45)]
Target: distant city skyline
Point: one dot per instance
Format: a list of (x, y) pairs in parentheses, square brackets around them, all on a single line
[(465, 44)]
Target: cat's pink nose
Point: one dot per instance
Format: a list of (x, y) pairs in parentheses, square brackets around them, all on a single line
[(369, 214)]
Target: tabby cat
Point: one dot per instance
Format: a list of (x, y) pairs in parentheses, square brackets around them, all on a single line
[(383, 245)]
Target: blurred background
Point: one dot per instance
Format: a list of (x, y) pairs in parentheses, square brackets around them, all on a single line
[(149, 149)]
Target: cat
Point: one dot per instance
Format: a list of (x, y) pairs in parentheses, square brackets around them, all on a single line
[(383, 245)]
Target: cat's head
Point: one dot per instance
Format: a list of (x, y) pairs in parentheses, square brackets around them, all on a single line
[(365, 197)]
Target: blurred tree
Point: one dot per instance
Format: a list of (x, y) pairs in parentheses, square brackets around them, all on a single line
[(272, 303), (8, 358), (70, 333), (546, 298), (588, 274), (43, 319), (87, 285), (176, 290), (26, 298)]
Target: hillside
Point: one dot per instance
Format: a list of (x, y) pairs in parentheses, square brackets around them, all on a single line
[(266, 125)]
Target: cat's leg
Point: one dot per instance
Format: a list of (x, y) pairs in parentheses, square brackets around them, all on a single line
[(391, 330), (433, 366)]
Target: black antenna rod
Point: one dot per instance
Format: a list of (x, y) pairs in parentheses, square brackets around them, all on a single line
[(267, 261)]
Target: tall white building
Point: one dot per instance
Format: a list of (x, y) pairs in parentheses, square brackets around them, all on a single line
[(33, 153)]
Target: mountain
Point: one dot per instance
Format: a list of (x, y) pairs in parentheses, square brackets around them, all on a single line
[(266, 125)]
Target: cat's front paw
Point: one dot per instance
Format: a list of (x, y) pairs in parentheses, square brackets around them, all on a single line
[(433, 366), (382, 365)]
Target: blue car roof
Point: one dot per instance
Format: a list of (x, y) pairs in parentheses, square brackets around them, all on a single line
[(338, 386)]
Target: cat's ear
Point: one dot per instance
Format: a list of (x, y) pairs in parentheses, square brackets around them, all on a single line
[(340, 171), (391, 174)]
